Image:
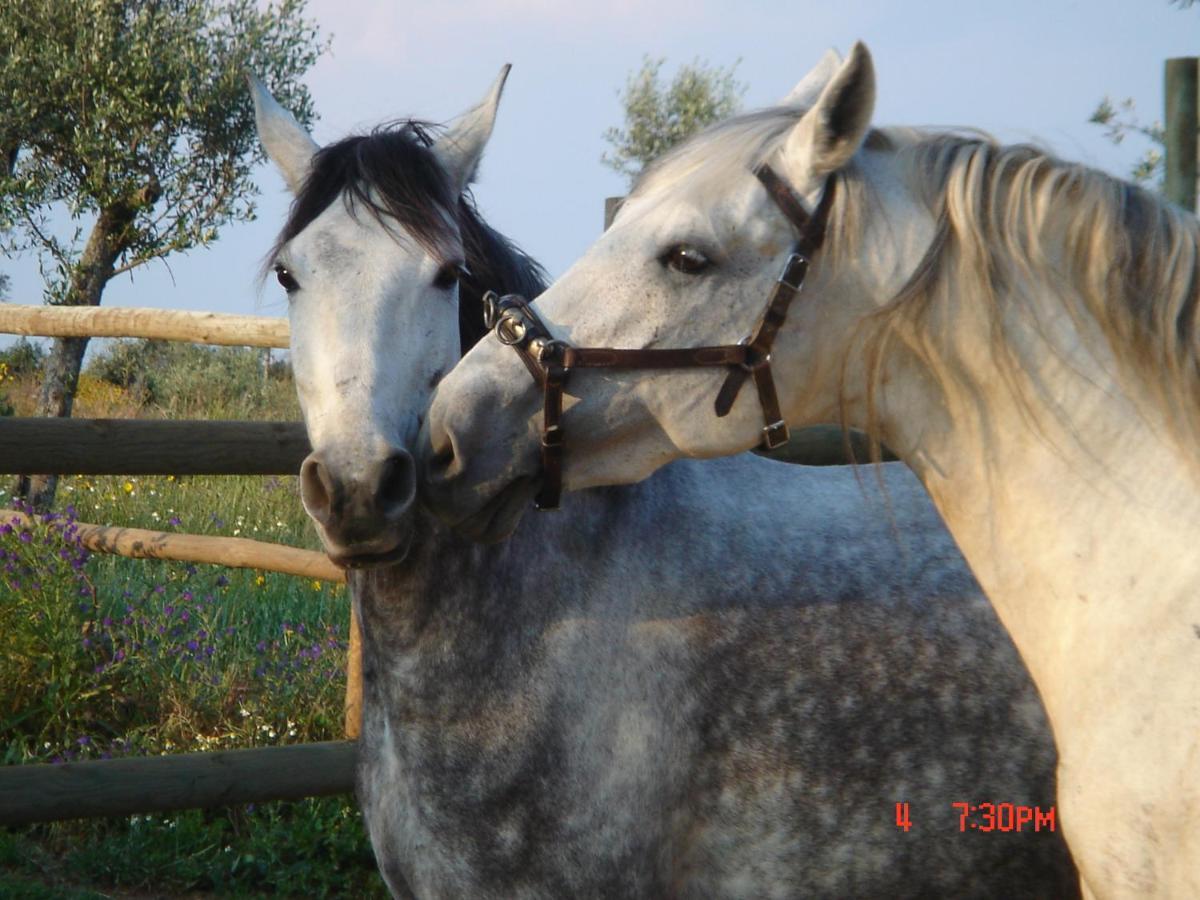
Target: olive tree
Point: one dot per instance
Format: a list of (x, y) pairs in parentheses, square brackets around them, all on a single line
[(1119, 119), (659, 115), (130, 120)]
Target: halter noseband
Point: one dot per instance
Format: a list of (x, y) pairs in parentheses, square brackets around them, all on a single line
[(550, 361)]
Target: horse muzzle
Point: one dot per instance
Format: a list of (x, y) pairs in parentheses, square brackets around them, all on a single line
[(362, 508)]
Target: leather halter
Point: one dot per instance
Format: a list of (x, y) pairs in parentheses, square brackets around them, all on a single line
[(550, 361)]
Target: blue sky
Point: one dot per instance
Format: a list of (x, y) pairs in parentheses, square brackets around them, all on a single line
[(1026, 70)]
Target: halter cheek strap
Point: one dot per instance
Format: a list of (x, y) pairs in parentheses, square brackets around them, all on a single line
[(550, 361)]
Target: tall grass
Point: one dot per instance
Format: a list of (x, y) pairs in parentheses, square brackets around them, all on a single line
[(105, 656)]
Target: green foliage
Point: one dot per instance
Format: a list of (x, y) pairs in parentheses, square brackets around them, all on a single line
[(312, 848), (97, 658), (117, 656), (192, 381), (1119, 120), (658, 116), (22, 359), (135, 112)]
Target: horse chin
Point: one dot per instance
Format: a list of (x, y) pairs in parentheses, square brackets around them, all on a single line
[(351, 558), (497, 519)]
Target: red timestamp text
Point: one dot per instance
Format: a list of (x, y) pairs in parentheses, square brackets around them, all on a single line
[(985, 817), (988, 817)]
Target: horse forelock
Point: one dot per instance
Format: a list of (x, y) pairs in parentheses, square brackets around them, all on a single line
[(395, 175)]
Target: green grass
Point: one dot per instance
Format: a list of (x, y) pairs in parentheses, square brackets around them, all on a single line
[(106, 656)]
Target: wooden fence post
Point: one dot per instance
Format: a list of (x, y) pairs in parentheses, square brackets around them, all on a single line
[(1182, 124), (354, 699)]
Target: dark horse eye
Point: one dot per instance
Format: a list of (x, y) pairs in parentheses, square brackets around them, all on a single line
[(285, 278), (448, 275), (685, 259)]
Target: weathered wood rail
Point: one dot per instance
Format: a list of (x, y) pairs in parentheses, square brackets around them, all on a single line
[(144, 784), (150, 447), (43, 793), (138, 322), (234, 552)]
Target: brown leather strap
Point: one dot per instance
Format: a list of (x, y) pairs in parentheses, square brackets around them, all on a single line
[(550, 361), (758, 345), (811, 228), (550, 491), (604, 358), (784, 198)]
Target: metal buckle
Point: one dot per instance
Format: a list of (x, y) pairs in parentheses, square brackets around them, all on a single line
[(511, 329), (757, 363), (795, 259), (547, 349), (775, 435)]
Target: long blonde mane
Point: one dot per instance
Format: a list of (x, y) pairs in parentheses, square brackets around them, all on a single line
[(1011, 221), (1014, 222)]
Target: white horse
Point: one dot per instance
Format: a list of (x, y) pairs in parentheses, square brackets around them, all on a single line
[(738, 679), (1020, 330)]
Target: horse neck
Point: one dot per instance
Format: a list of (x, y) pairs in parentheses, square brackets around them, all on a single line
[(454, 609), (1061, 480)]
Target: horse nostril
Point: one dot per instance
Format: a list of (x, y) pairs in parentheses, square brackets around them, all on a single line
[(397, 482), (441, 460), (316, 490)]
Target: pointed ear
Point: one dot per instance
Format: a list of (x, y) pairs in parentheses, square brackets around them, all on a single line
[(286, 141), (809, 88), (461, 147), (830, 133)]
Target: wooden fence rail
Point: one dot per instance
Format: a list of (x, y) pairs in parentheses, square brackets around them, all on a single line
[(43, 793), (235, 552), (150, 447), (159, 324), (120, 787)]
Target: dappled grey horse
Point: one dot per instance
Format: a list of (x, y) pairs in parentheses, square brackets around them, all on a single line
[(736, 679)]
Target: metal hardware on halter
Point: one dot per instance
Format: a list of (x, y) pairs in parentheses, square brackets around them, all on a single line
[(795, 261), (775, 435), (550, 361)]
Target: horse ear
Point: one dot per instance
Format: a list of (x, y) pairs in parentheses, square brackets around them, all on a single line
[(461, 147), (286, 141), (830, 133), (809, 88)]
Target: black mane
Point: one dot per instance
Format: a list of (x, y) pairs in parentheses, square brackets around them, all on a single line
[(395, 175)]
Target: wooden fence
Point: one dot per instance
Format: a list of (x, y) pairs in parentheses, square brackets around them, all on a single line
[(36, 793), (39, 793)]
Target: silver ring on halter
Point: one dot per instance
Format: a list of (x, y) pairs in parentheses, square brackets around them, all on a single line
[(511, 329)]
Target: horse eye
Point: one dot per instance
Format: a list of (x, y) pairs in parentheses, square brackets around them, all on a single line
[(685, 259), (448, 275), (285, 278)]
